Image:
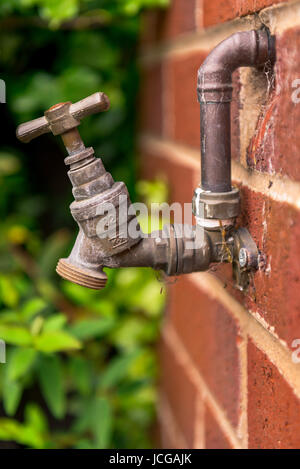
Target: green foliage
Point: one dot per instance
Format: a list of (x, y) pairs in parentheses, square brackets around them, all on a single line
[(32, 433), (51, 380), (57, 11), (81, 364)]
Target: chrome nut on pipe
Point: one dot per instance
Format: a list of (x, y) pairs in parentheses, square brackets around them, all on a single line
[(215, 209)]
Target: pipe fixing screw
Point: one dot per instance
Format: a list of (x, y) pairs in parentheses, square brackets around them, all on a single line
[(243, 257)]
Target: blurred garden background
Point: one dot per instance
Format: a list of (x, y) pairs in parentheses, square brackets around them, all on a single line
[(81, 367)]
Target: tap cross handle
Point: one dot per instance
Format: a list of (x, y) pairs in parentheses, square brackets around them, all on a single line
[(63, 117)]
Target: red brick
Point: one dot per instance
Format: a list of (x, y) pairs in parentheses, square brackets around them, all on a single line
[(219, 11), (276, 229), (167, 440), (273, 408), (181, 392), (181, 178), (214, 435), (211, 336), (169, 432), (182, 107), (150, 26), (161, 25), (151, 120), (179, 19), (273, 292), (270, 151)]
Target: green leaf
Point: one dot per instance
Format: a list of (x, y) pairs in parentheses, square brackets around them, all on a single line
[(55, 323), (59, 10), (28, 212), (11, 430), (97, 417), (50, 376), (35, 418), (8, 292), (90, 328), (9, 163), (33, 307), (84, 443), (152, 191), (80, 371), (23, 434), (20, 361), (37, 325), (15, 335), (133, 332), (102, 422), (116, 370), (55, 341), (12, 393), (9, 316), (79, 295), (105, 308), (151, 298), (53, 249)]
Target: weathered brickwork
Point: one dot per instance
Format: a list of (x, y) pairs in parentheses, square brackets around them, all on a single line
[(276, 142), (218, 11), (180, 391), (228, 379), (273, 408), (211, 335), (214, 437)]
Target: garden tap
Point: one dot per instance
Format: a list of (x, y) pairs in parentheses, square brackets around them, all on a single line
[(109, 232)]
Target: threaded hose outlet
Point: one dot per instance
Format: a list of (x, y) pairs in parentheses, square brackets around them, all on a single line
[(95, 279)]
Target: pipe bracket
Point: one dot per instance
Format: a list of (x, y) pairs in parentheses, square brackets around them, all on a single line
[(245, 258)]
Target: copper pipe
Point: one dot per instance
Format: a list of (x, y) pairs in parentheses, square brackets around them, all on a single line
[(242, 49)]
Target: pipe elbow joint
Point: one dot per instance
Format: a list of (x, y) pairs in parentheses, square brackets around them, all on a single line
[(243, 49)]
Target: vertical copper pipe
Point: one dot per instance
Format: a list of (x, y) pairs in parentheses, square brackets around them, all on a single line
[(215, 147), (242, 49)]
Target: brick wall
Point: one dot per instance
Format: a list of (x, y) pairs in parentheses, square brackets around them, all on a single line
[(228, 379)]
